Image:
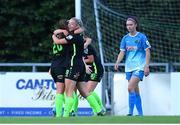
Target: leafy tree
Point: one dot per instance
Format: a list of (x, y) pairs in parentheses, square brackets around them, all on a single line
[(27, 26)]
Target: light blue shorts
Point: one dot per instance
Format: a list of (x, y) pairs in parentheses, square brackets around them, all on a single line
[(138, 73)]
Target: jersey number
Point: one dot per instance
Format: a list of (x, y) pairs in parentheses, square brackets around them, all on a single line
[(57, 48)]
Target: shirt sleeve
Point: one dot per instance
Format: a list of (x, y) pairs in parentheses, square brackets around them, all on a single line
[(73, 38), (90, 50), (146, 43)]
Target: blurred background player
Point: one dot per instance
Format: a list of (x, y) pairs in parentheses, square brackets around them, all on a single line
[(137, 50)]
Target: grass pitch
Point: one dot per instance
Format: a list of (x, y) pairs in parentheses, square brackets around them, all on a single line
[(92, 120)]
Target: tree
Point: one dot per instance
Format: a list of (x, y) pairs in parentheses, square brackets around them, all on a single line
[(27, 26)]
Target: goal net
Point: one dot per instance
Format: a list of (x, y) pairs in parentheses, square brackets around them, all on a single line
[(159, 20)]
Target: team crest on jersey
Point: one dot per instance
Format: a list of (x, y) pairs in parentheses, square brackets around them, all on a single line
[(136, 41)]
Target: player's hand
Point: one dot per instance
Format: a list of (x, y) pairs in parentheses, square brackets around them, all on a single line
[(85, 45), (49, 71), (60, 35), (88, 70), (146, 71), (116, 66)]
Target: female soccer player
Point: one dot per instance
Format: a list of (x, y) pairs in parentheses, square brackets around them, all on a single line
[(94, 73), (137, 50), (59, 64), (76, 68)]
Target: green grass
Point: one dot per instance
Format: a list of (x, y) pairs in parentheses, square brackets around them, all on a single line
[(96, 120)]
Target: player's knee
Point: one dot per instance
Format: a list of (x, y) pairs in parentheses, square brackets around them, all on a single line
[(60, 91), (131, 89), (84, 93), (69, 91), (60, 88)]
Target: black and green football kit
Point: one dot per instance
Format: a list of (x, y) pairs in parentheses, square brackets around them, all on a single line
[(59, 62), (96, 66), (76, 68)]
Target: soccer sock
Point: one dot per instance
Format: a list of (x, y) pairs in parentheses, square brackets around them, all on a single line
[(59, 104), (75, 104), (93, 103), (68, 105), (93, 110), (139, 104), (98, 99), (132, 102)]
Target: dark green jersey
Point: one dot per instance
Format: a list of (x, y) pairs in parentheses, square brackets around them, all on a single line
[(60, 54), (91, 51), (96, 66), (76, 49), (76, 68), (59, 49)]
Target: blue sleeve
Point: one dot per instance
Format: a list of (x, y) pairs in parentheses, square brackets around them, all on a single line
[(123, 45), (146, 43)]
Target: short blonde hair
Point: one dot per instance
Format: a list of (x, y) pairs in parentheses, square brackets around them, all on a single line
[(78, 21)]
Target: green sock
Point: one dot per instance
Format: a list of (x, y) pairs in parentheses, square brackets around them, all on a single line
[(93, 110), (93, 103), (75, 104), (59, 104), (98, 99), (68, 105)]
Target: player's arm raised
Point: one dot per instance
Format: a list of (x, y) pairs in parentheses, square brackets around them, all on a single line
[(59, 41), (88, 42), (79, 30)]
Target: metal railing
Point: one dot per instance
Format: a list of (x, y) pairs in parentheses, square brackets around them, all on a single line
[(168, 67), (33, 65), (165, 65)]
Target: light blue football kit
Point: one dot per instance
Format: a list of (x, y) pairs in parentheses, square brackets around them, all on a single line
[(134, 48)]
